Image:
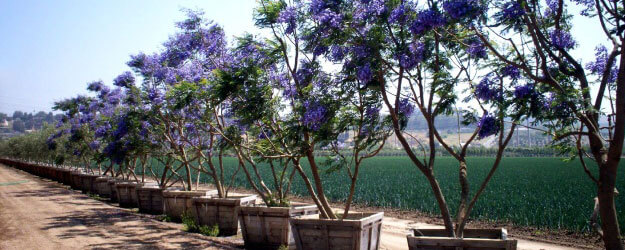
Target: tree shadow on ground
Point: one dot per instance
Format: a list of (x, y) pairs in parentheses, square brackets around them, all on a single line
[(117, 230)]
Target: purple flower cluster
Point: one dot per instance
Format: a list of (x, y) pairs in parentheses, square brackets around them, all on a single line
[(398, 15), (288, 16), (427, 20), (475, 48), (94, 145), (114, 97), (314, 115), (487, 89), (125, 80), (561, 39), (372, 112), (155, 96), (512, 10), (95, 86), (488, 126), (305, 73), (511, 71), (461, 9), (599, 66), (364, 73), (322, 12), (552, 7), (193, 21), (405, 107), (368, 9), (337, 53), (411, 58), (524, 91)]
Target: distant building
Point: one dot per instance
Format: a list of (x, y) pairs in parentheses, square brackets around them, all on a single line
[(4, 124)]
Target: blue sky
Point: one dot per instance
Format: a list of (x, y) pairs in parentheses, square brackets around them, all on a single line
[(49, 50)]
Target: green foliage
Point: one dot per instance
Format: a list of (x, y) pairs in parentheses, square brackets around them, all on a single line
[(523, 191), (190, 226)]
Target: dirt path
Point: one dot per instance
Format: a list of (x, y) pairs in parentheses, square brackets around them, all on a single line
[(41, 214)]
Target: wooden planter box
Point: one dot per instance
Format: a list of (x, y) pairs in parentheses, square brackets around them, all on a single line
[(178, 202), (111, 182), (102, 186), (490, 239), (126, 193), (66, 176), (76, 183), (88, 183), (269, 227), (359, 231), (224, 212), (150, 199)]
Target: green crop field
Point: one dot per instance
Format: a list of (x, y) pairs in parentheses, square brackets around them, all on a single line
[(527, 191)]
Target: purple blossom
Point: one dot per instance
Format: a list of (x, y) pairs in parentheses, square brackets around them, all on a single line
[(487, 89), (125, 80), (314, 115), (96, 86), (405, 107), (94, 145), (193, 21), (411, 58), (138, 61), (122, 127), (155, 96), (320, 50), (427, 20), (369, 8), (114, 97), (305, 73), (102, 130), (288, 16), (561, 39), (476, 48), (524, 91), (460, 9), (488, 126), (329, 18), (337, 53), (552, 7), (588, 5), (364, 73), (512, 10), (511, 71), (398, 15), (372, 112), (598, 67)]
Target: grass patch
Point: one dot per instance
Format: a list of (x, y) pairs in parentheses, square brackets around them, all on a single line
[(190, 226)]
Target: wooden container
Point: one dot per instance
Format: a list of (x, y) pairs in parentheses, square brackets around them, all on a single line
[(88, 183), (359, 231), (269, 227), (102, 186), (223, 212), (126, 193), (150, 199), (111, 182), (490, 239), (178, 202), (66, 177), (76, 183)]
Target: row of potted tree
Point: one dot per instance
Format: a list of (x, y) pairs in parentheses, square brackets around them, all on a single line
[(340, 77)]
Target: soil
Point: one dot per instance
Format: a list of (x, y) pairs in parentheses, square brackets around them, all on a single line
[(41, 214)]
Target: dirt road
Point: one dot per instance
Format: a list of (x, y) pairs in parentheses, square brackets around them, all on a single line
[(42, 214)]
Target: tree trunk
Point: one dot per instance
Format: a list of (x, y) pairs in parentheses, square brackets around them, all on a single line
[(609, 221)]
